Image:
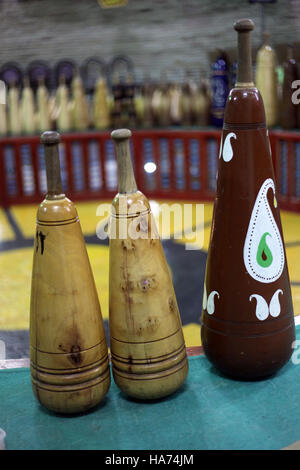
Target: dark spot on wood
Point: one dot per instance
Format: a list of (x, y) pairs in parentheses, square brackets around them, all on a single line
[(172, 305), (152, 324), (145, 284), (37, 240), (75, 354), (40, 240), (127, 245), (140, 330), (149, 283), (127, 286), (130, 359)]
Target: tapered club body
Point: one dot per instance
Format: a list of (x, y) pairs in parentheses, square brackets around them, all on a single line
[(247, 324), (148, 352), (68, 350)]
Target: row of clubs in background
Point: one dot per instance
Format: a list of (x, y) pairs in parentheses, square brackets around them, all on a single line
[(122, 99), (123, 104), (275, 72), (276, 84)]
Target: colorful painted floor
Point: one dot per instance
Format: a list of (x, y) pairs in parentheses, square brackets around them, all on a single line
[(17, 227)]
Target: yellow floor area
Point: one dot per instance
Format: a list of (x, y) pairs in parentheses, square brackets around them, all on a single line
[(16, 264), (6, 232)]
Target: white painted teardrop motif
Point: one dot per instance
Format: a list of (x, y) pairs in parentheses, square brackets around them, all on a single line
[(226, 151), (204, 303), (209, 302), (263, 247), (263, 309), (274, 306)]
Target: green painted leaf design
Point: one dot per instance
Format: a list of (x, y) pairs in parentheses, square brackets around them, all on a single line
[(264, 255)]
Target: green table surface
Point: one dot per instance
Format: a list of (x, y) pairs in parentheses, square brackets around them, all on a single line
[(209, 412)]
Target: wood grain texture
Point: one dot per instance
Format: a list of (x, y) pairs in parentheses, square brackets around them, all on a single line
[(147, 345), (68, 350)]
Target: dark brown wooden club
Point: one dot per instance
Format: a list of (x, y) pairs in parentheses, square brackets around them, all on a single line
[(247, 323)]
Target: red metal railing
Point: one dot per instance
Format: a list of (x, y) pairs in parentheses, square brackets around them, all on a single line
[(286, 159), (185, 162)]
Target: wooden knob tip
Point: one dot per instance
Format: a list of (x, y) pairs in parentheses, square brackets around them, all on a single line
[(121, 134), (50, 138), (244, 25)]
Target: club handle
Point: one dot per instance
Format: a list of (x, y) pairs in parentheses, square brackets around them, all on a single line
[(126, 179), (244, 72), (50, 140)]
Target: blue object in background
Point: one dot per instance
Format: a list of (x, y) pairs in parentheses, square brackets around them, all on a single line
[(179, 164), (234, 74), (220, 90), (42, 169), (10, 171), (63, 166), (149, 158), (164, 163), (77, 166), (27, 171), (110, 165), (95, 174), (212, 163), (194, 165)]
